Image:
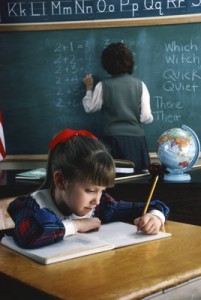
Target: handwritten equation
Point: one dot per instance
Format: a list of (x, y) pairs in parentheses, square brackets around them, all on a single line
[(70, 63)]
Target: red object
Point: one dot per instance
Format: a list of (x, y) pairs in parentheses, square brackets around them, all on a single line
[(155, 169), (2, 141), (66, 134)]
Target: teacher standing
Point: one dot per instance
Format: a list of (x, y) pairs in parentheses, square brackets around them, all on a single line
[(125, 101)]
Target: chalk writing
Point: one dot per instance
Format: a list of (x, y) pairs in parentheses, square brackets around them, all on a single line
[(181, 76), (71, 61), (187, 54), (76, 10), (167, 111)]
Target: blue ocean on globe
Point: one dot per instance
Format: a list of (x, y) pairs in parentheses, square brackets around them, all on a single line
[(178, 149)]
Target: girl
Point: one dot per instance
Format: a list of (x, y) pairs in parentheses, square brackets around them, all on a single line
[(126, 106), (73, 199)]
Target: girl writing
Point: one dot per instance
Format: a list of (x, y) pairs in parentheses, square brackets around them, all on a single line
[(73, 198)]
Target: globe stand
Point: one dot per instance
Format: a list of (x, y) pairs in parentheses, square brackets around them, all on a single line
[(176, 176)]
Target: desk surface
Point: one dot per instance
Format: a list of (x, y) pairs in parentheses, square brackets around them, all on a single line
[(126, 273)]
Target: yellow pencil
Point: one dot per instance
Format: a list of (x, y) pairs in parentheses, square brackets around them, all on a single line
[(149, 199), (150, 195)]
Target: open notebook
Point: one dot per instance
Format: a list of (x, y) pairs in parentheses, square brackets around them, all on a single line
[(108, 237)]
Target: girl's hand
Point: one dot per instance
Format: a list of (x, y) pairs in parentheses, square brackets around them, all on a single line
[(84, 225), (89, 82), (148, 224)]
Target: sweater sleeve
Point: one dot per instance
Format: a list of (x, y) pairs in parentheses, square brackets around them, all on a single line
[(93, 101), (34, 226), (110, 210), (146, 114)]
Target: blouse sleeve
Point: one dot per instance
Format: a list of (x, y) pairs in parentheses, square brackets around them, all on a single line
[(146, 114), (93, 101), (34, 226), (110, 210)]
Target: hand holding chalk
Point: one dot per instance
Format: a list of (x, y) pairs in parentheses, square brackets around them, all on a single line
[(89, 82)]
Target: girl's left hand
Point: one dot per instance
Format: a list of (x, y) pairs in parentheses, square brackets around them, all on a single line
[(148, 224)]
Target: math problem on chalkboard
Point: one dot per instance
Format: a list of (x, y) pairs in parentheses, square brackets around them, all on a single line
[(42, 72)]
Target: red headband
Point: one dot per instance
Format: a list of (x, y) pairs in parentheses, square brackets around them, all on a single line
[(66, 134)]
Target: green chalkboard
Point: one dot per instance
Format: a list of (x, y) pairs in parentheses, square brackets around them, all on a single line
[(41, 74)]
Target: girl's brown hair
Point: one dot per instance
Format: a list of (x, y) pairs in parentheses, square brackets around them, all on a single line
[(81, 158)]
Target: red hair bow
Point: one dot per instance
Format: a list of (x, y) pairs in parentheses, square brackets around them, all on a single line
[(66, 134)]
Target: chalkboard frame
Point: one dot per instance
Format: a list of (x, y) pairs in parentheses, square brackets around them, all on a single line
[(153, 21)]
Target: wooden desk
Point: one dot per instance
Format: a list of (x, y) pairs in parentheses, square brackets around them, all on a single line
[(5, 219), (126, 273)]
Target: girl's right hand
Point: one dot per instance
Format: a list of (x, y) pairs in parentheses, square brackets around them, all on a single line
[(87, 224), (148, 223), (89, 82)]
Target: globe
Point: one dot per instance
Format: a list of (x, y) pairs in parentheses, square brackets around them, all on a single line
[(178, 150)]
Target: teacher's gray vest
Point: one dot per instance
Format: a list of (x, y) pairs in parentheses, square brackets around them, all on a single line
[(122, 105)]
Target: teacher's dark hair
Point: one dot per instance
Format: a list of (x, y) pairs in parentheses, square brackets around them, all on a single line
[(117, 59)]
